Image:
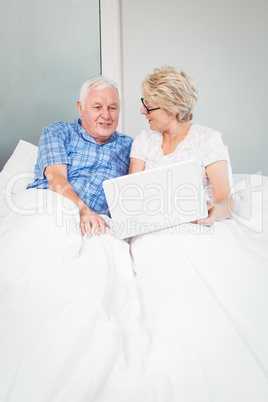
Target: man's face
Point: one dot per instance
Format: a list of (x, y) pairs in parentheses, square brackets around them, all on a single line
[(101, 113)]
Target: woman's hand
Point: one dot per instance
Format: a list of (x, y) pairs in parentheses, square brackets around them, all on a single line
[(212, 215), (223, 204), (217, 211)]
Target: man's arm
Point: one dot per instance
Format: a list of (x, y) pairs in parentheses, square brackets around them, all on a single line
[(58, 182)]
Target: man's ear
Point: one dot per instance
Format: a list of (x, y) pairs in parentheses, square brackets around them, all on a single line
[(79, 107)]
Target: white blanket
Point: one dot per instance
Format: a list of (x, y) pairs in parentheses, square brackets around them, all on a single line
[(62, 296), (77, 325), (204, 301)]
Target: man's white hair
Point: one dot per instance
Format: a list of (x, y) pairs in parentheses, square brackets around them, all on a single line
[(98, 82)]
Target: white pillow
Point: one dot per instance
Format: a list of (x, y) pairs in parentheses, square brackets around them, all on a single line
[(251, 205), (17, 173), (248, 185)]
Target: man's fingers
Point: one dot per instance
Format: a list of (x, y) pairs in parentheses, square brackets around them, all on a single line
[(92, 224), (88, 229), (85, 228), (82, 228), (103, 226), (96, 228), (100, 226)]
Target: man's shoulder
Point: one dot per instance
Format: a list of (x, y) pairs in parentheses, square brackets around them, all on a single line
[(124, 138), (60, 126), (60, 130)]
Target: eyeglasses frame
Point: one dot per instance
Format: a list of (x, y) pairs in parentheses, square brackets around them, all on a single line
[(148, 110)]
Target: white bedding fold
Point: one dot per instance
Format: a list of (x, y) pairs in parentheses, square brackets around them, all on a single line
[(77, 325), (62, 298), (204, 299)]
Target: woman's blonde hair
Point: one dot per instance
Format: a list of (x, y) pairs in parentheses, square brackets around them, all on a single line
[(172, 90)]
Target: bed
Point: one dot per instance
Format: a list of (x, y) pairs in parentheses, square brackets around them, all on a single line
[(96, 319)]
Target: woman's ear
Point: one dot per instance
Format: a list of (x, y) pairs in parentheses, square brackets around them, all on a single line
[(172, 117)]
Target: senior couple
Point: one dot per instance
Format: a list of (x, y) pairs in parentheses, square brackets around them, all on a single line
[(194, 325), (74, 159)]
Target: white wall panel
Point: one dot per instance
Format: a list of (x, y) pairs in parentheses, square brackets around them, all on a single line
[(223, 46)]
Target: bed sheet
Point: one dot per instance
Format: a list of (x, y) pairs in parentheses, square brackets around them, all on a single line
[(78, 325), (62, 300), (204, 301)]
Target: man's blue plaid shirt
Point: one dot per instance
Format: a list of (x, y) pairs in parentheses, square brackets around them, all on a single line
[(88, 163)]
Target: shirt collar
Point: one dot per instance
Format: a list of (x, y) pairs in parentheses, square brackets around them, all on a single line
[(80, 130)]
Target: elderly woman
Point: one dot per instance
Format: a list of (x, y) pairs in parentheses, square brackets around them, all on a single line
[(168, 100), (202, 293)]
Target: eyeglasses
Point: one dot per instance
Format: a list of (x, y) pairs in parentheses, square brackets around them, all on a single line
[(148, 110)]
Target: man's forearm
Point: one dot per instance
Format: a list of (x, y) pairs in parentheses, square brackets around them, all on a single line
[(90, 221), (61, 185)]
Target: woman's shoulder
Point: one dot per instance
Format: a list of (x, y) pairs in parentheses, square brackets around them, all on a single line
[(205, 134), (147, 136), (145, 142), (149, 133), (203, 130)]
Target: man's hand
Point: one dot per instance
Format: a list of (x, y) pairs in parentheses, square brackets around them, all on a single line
[(91, 223)]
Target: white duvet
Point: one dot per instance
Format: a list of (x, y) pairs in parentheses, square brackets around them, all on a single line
[(62, 297), (77, 325)]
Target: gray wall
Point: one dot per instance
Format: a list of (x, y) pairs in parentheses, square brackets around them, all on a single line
[(223, 45), (48, 48)]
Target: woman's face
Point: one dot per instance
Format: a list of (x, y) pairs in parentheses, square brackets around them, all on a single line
[(158, 119)]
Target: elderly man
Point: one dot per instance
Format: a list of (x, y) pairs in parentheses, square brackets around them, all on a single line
[(74, 159), (62, 295)]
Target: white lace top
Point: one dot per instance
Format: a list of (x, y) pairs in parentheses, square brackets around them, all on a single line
[(201, 143)]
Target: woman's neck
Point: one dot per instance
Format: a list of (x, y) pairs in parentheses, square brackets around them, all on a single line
[(174, 135), (176, 131)]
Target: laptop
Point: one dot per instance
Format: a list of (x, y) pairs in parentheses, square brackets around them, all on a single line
[(155, 199)]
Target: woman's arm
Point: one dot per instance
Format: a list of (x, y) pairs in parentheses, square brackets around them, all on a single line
[(223, 203), (136, 165)]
